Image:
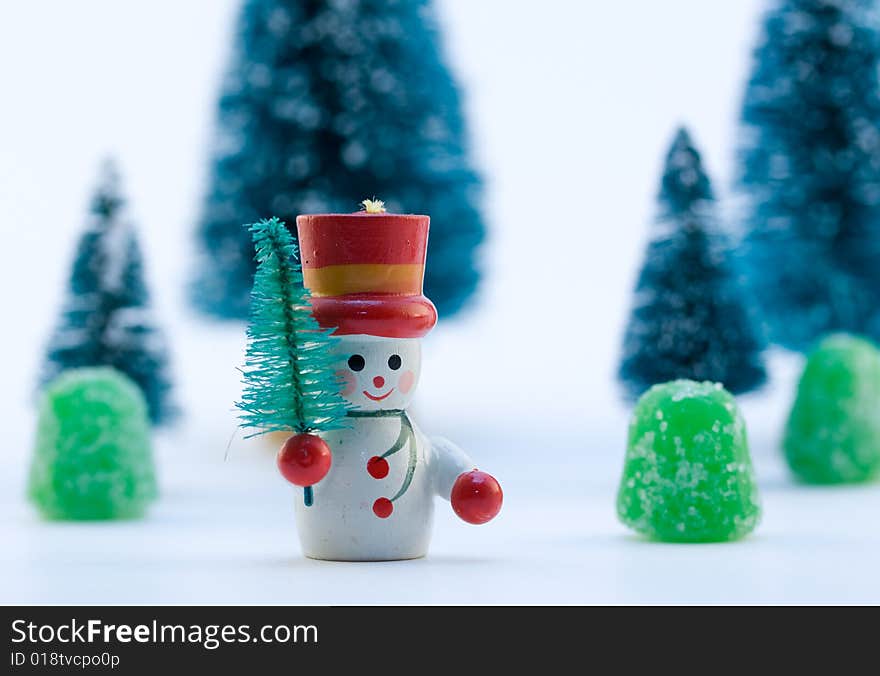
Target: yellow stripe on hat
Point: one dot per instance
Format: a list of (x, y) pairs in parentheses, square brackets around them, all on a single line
[(340, 280)]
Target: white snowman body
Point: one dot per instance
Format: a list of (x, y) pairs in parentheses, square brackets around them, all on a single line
[(363, 511)]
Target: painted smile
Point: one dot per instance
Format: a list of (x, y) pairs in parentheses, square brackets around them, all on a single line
[(380, 398)]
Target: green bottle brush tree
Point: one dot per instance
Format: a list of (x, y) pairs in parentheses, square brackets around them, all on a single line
[(290, 381), (107, 319), (325, 100)]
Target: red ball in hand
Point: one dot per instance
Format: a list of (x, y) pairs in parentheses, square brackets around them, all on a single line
[(476, 497), (304, 459)]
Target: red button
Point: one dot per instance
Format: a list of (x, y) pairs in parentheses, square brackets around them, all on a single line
[(383, 508), (377, 467)]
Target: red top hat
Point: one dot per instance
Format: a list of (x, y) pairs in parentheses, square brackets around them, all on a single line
[(365, 272)]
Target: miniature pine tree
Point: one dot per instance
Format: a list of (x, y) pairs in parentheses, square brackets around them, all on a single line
[(689, 320), (810, 169), (322, 104), (290, 381), (106, 319)]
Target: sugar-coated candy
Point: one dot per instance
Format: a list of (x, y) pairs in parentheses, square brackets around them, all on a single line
[(833, 431), (687, 475), (93, 458)]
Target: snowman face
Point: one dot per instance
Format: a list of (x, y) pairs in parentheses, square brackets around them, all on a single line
[(379, 373)]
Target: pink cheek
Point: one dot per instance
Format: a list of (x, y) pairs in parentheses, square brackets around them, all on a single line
[(407, 380), (349, 383)]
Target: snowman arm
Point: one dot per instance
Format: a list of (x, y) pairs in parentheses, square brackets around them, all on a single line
[(449, 462)]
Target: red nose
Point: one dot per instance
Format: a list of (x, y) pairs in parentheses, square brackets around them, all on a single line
[(379, 382)]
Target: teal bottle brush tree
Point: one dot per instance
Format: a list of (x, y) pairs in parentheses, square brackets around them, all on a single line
[(323, 101), (809, 170), (290, 381), (107, 317)]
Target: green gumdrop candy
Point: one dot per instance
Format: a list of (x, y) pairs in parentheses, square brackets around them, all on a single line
[(833, 432), (93, 458), (688, 476)]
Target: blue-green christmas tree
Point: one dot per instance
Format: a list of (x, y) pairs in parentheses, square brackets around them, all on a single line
[(290, 382), (106, 318), (690, 319), (325, 103), (810, 168)]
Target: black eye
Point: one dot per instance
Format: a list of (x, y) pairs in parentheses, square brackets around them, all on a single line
[(394, 362), (356, 362)]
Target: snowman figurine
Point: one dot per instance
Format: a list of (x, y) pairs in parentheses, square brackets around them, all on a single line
[(376, 500)]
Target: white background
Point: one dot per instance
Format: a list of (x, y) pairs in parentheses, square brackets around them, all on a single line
[(571, 106)]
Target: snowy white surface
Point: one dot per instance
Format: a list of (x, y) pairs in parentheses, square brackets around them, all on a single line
[(224, 533), (572, 104)]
